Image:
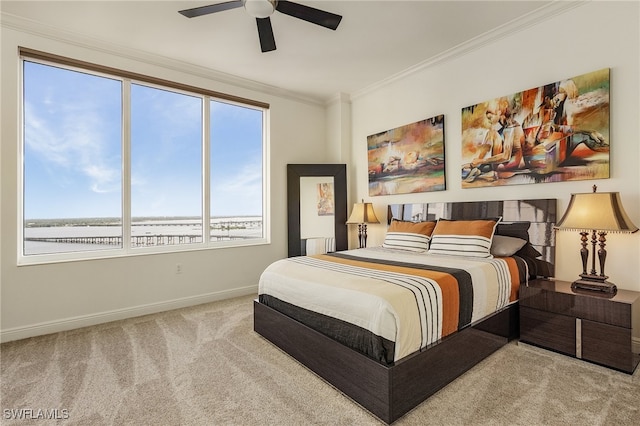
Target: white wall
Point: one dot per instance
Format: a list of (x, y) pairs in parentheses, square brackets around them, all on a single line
[(47, 298), (587, 38)]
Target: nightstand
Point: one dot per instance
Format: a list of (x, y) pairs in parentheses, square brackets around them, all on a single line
[(588, 326)]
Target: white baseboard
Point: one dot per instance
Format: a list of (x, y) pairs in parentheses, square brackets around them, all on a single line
[(635, 345), (65, 324)]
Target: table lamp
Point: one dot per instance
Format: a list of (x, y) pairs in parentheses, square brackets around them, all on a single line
[(598, 213), (362, 214)]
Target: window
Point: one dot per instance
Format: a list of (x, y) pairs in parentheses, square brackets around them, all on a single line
[(236, 168), (72, 160), (166, 167), (116, 164)]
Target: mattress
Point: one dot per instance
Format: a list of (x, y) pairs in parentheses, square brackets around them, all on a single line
[(389, 303)]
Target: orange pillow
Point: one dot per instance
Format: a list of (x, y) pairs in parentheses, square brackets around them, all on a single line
[(424, 228)]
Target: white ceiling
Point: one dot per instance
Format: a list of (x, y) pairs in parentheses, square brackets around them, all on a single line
[(375, 41)]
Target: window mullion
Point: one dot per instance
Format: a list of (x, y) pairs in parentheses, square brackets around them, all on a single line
[(266, 184), (126, 165), (206, 169)]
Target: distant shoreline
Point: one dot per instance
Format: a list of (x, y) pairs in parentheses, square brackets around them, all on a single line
[(114, 221)]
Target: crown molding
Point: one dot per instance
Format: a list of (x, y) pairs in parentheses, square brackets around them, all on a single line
[(57, 34), (547, 11), (340, 97)]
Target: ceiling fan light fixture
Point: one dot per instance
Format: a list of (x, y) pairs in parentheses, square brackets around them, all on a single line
[(260, 8)]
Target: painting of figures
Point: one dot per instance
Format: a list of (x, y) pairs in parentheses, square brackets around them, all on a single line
[(407, 159), (325, 199), (553, 133)]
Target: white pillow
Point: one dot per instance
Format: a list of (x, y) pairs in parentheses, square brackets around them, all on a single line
[(503, 246)]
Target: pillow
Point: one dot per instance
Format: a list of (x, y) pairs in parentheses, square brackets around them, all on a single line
[(529, 251), (425, 228), (519, 230), (463, 237), (409, 236), (406, 241), (503, 246), (514, 229)]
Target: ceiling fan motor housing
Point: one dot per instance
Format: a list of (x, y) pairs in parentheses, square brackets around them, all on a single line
[(260, 8)]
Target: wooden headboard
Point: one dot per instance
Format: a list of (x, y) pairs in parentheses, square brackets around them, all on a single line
[(536, 217)]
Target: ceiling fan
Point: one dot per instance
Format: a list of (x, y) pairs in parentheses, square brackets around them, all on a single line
[(262, 9)]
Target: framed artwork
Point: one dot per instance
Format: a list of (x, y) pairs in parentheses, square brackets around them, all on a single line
[(552, 133), (407, 159), (325, 199)]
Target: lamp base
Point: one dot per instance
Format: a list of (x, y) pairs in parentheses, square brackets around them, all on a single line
[(595, 283)]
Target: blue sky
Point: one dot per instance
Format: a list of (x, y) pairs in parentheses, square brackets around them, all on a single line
[(73, 156)]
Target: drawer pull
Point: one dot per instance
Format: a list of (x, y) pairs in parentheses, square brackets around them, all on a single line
[(578, 338)]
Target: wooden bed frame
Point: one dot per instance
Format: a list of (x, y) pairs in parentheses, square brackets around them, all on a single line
[(390, 391)]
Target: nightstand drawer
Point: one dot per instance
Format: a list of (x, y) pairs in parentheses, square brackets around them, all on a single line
[(557, 297), (537, 298), (549, 330), (607, 345)]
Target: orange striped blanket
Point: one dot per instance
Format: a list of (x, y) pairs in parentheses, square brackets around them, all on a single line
[(386, 303)]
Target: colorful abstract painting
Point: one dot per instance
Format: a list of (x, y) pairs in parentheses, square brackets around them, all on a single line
[(552, 133), (407, 159)]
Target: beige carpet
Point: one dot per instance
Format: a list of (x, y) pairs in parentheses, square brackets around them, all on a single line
[(204, 365)]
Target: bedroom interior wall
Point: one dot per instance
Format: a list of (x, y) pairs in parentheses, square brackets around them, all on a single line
[(41, 299), (558, 47)]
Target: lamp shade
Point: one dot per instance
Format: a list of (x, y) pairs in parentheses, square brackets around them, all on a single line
[(362, 213), (601, 211)]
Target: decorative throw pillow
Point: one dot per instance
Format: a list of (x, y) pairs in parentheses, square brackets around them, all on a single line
[(409, 236), (529, 251), (470, 238), (518, 229), (503, 246), (406, 241), (425, 228)]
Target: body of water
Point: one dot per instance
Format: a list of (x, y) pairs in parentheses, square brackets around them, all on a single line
[(149, 232)]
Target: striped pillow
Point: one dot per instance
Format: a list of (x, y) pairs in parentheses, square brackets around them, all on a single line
[(409, 236), (471, 238), (406, 241)]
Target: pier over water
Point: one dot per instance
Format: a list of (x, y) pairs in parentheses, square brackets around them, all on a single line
[(137, 241), (66, 235)]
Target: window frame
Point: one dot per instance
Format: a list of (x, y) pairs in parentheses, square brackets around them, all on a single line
[(127, 79)]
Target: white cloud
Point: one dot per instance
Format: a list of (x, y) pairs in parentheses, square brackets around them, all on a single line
[(76, 141), (240, 193)]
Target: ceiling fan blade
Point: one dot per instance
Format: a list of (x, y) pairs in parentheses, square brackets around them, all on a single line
[(212, 8), (265, 32), (309, 14)]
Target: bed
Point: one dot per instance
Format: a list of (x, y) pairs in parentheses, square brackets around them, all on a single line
[(389, 326)]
